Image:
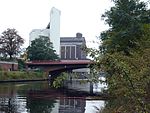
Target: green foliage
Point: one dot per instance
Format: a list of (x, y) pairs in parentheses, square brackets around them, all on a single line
[(20, 75), (126, 20), (125, 57), (21, 64), (41, 49), (1, 68), (128, 79), (10, 43), (58, 82)]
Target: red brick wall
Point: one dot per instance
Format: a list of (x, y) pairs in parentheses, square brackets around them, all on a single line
[(8, 66)]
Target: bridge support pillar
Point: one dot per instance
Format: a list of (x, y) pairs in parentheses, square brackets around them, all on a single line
[(91, 88)]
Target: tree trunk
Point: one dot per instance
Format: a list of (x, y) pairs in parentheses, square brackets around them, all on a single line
[(10, 57)]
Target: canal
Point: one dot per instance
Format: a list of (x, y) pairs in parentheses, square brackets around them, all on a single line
[(39, 97)]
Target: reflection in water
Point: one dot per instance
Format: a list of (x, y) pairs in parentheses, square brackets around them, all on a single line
[(40, 106), (12, 105), (37, 97), (72, 105)]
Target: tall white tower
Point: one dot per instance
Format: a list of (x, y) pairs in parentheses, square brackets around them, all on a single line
[(55, 29)]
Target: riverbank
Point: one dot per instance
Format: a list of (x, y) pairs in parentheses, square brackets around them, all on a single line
[(21, 76)]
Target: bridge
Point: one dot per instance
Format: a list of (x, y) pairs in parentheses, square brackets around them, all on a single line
[(55, 67)]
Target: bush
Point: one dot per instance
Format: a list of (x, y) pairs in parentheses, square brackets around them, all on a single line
[(16, 75)]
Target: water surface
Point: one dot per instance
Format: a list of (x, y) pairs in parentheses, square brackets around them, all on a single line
[(39, 97)]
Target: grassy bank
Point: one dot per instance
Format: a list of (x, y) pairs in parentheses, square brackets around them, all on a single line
[(21, 75)]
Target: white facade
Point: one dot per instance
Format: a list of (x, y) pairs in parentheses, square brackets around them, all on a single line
[(36, 33), (53, 32), (55, 29)]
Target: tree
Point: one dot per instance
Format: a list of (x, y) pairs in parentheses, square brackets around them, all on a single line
[(126, 21), (10, 43), (124, 56), (41, 49)]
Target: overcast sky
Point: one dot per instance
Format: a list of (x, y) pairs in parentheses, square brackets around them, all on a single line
[(76, 16)]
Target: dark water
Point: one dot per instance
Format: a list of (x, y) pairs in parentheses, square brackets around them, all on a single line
[(38, 97)]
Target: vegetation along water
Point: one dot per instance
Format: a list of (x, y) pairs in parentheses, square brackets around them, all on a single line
[(123, 54)]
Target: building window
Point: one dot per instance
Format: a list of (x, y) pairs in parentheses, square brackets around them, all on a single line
[(78, 52), (63, 52), (73, 52), (68, 52)]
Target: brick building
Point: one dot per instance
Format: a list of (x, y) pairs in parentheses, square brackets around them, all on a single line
[(72, 47), (8, 66)]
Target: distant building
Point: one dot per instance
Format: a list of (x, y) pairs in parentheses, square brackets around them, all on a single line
[(36, 33), (52, 30), (72, 47), (55, 29), (8, 66)]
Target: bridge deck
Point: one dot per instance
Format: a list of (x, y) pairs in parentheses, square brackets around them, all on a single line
[(59, 62)]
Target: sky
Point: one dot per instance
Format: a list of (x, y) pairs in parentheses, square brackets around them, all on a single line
[(82, 16)]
